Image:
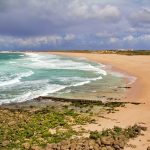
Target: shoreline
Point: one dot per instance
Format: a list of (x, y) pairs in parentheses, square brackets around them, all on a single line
[(136, 92), (137, 66), (123, 117)]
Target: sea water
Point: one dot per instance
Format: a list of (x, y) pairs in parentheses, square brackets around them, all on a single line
[(24, 76)]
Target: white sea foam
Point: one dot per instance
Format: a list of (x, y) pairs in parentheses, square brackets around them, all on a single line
[(5, 52), (12, 62), (17, 79), (131, 79), (81, 83), (55, 62), (78, 81), (25, 74), (13, 81), (86, 81), (34, 94), (43, 86)]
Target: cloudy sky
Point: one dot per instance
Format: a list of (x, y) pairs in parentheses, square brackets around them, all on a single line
[(74, 24)]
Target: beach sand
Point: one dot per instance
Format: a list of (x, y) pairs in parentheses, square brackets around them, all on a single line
[(137, 66)]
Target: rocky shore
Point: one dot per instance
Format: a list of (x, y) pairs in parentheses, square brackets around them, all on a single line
[(110, 139), (61, 124)]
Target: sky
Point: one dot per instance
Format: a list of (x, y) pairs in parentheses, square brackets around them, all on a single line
[(74, 24)]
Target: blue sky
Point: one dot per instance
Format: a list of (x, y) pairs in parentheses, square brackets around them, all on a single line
[(74, 24)]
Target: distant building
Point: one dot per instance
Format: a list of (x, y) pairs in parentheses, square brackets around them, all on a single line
[(125, 50)]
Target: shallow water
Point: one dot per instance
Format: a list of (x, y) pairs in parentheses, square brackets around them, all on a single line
[(24, 76)]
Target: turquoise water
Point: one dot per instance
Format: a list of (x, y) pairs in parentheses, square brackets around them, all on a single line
[(24, 76)]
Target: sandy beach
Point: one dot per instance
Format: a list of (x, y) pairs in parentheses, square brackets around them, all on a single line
[(139, 67)]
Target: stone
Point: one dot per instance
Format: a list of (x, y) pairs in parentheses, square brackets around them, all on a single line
[(86, 148), (107, 140), (52, 131), (121, 144), (26, 145), (5, 143), (17, 142), (34, 147), (144, 128), (73, 146), (96, 147), (91, 142), (116, 146), (90, 147), (98, 141), (54, 146), (48, 146), (109, 148), (148, 148), (11, 123)]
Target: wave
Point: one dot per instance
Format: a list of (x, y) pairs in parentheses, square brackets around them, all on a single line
[(131, 79), (25, 74), (5, 52), (77, 81), (86, 81), (13, 81), (81, 83), (12, 62), (55, 62), (46, 90), (34, 94), (27, 90), (17, 79)]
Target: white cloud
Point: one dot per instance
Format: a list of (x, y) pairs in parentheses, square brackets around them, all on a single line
[(85, 10), (35, 41), (128, 38), (113, 40), (141, 16), (145, 37), (104, 34), (107, 11), (138, 39), (69, 37)]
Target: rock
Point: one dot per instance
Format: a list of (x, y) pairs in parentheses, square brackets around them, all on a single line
[(107, 140), (91, 142), (86, 143), (85, 148), (103, 148), (63, 147), (98, 141), (121, 144), (143, 128), (120, 137), (5, 143), (54, 146), (109, 148), (48, 146), (17, 142), (91, 147), (148, 148), (11, 123), (34, 147), (26, 145), (52, 131), (73, 146), (96, 147), (116, 146), (79, 147)]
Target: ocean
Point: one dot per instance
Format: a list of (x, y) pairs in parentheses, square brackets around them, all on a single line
[(24, 76)]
